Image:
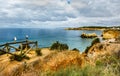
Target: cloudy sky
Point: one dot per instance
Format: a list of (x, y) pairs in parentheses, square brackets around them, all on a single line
[(58, 13)]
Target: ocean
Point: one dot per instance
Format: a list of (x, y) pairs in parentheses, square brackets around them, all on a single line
[(46, 37)]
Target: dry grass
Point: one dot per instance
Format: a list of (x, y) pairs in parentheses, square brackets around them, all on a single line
[(56, 60), (15, 68), (65, 63)]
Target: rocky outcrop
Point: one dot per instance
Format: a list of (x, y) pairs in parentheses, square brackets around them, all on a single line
[(110, 34), (91, 35), (101, 49)]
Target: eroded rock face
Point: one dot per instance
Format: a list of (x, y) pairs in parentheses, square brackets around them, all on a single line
[(91, 35), (109, 34), (104, 48)]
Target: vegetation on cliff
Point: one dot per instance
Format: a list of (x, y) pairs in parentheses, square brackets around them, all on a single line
[(96, 40), (108, 66), (98, 61), (19, 57), (59, 46), (38, 52)]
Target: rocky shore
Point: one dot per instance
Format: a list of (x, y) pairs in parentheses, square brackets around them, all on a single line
[(104, 54)]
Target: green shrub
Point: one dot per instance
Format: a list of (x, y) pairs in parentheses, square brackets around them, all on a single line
[(96, 40), (101, 47), (24, 46), (87, 49), (75, 49), (59, 46), (38, 52), (99, 63), (18, 57), (1, 53), (55, 45)]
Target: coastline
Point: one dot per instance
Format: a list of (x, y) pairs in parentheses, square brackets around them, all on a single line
[(54, 60), (94, 28)]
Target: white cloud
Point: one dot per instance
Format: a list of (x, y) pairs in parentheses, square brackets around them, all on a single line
[(47, 13)]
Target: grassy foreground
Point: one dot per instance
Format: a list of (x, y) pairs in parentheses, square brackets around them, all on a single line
[(64, 62), (101, 68)]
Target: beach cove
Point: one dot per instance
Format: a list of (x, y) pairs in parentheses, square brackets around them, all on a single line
[(46, 37)]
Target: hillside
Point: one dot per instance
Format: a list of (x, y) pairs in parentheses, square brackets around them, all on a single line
[(66, 63)]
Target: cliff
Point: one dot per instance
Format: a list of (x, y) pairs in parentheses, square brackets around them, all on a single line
[(104, 49), (108, 34), (53, 61)]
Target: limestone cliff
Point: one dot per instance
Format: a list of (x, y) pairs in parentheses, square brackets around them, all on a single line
[(108, 34)]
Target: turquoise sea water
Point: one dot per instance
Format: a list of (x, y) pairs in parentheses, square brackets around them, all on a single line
[(46, 37)]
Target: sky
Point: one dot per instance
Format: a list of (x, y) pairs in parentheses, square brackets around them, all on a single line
[(58, 13)]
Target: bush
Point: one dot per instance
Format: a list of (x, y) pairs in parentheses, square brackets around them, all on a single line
[(101, 47), (23, 47), (18, 57), (38, 52), (55, 45), (1, 53), (96, 40), (59, 46), (75, 49), (99, 63), (87, 49)]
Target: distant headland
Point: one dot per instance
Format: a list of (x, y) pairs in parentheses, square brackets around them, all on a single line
[(95, 28)]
